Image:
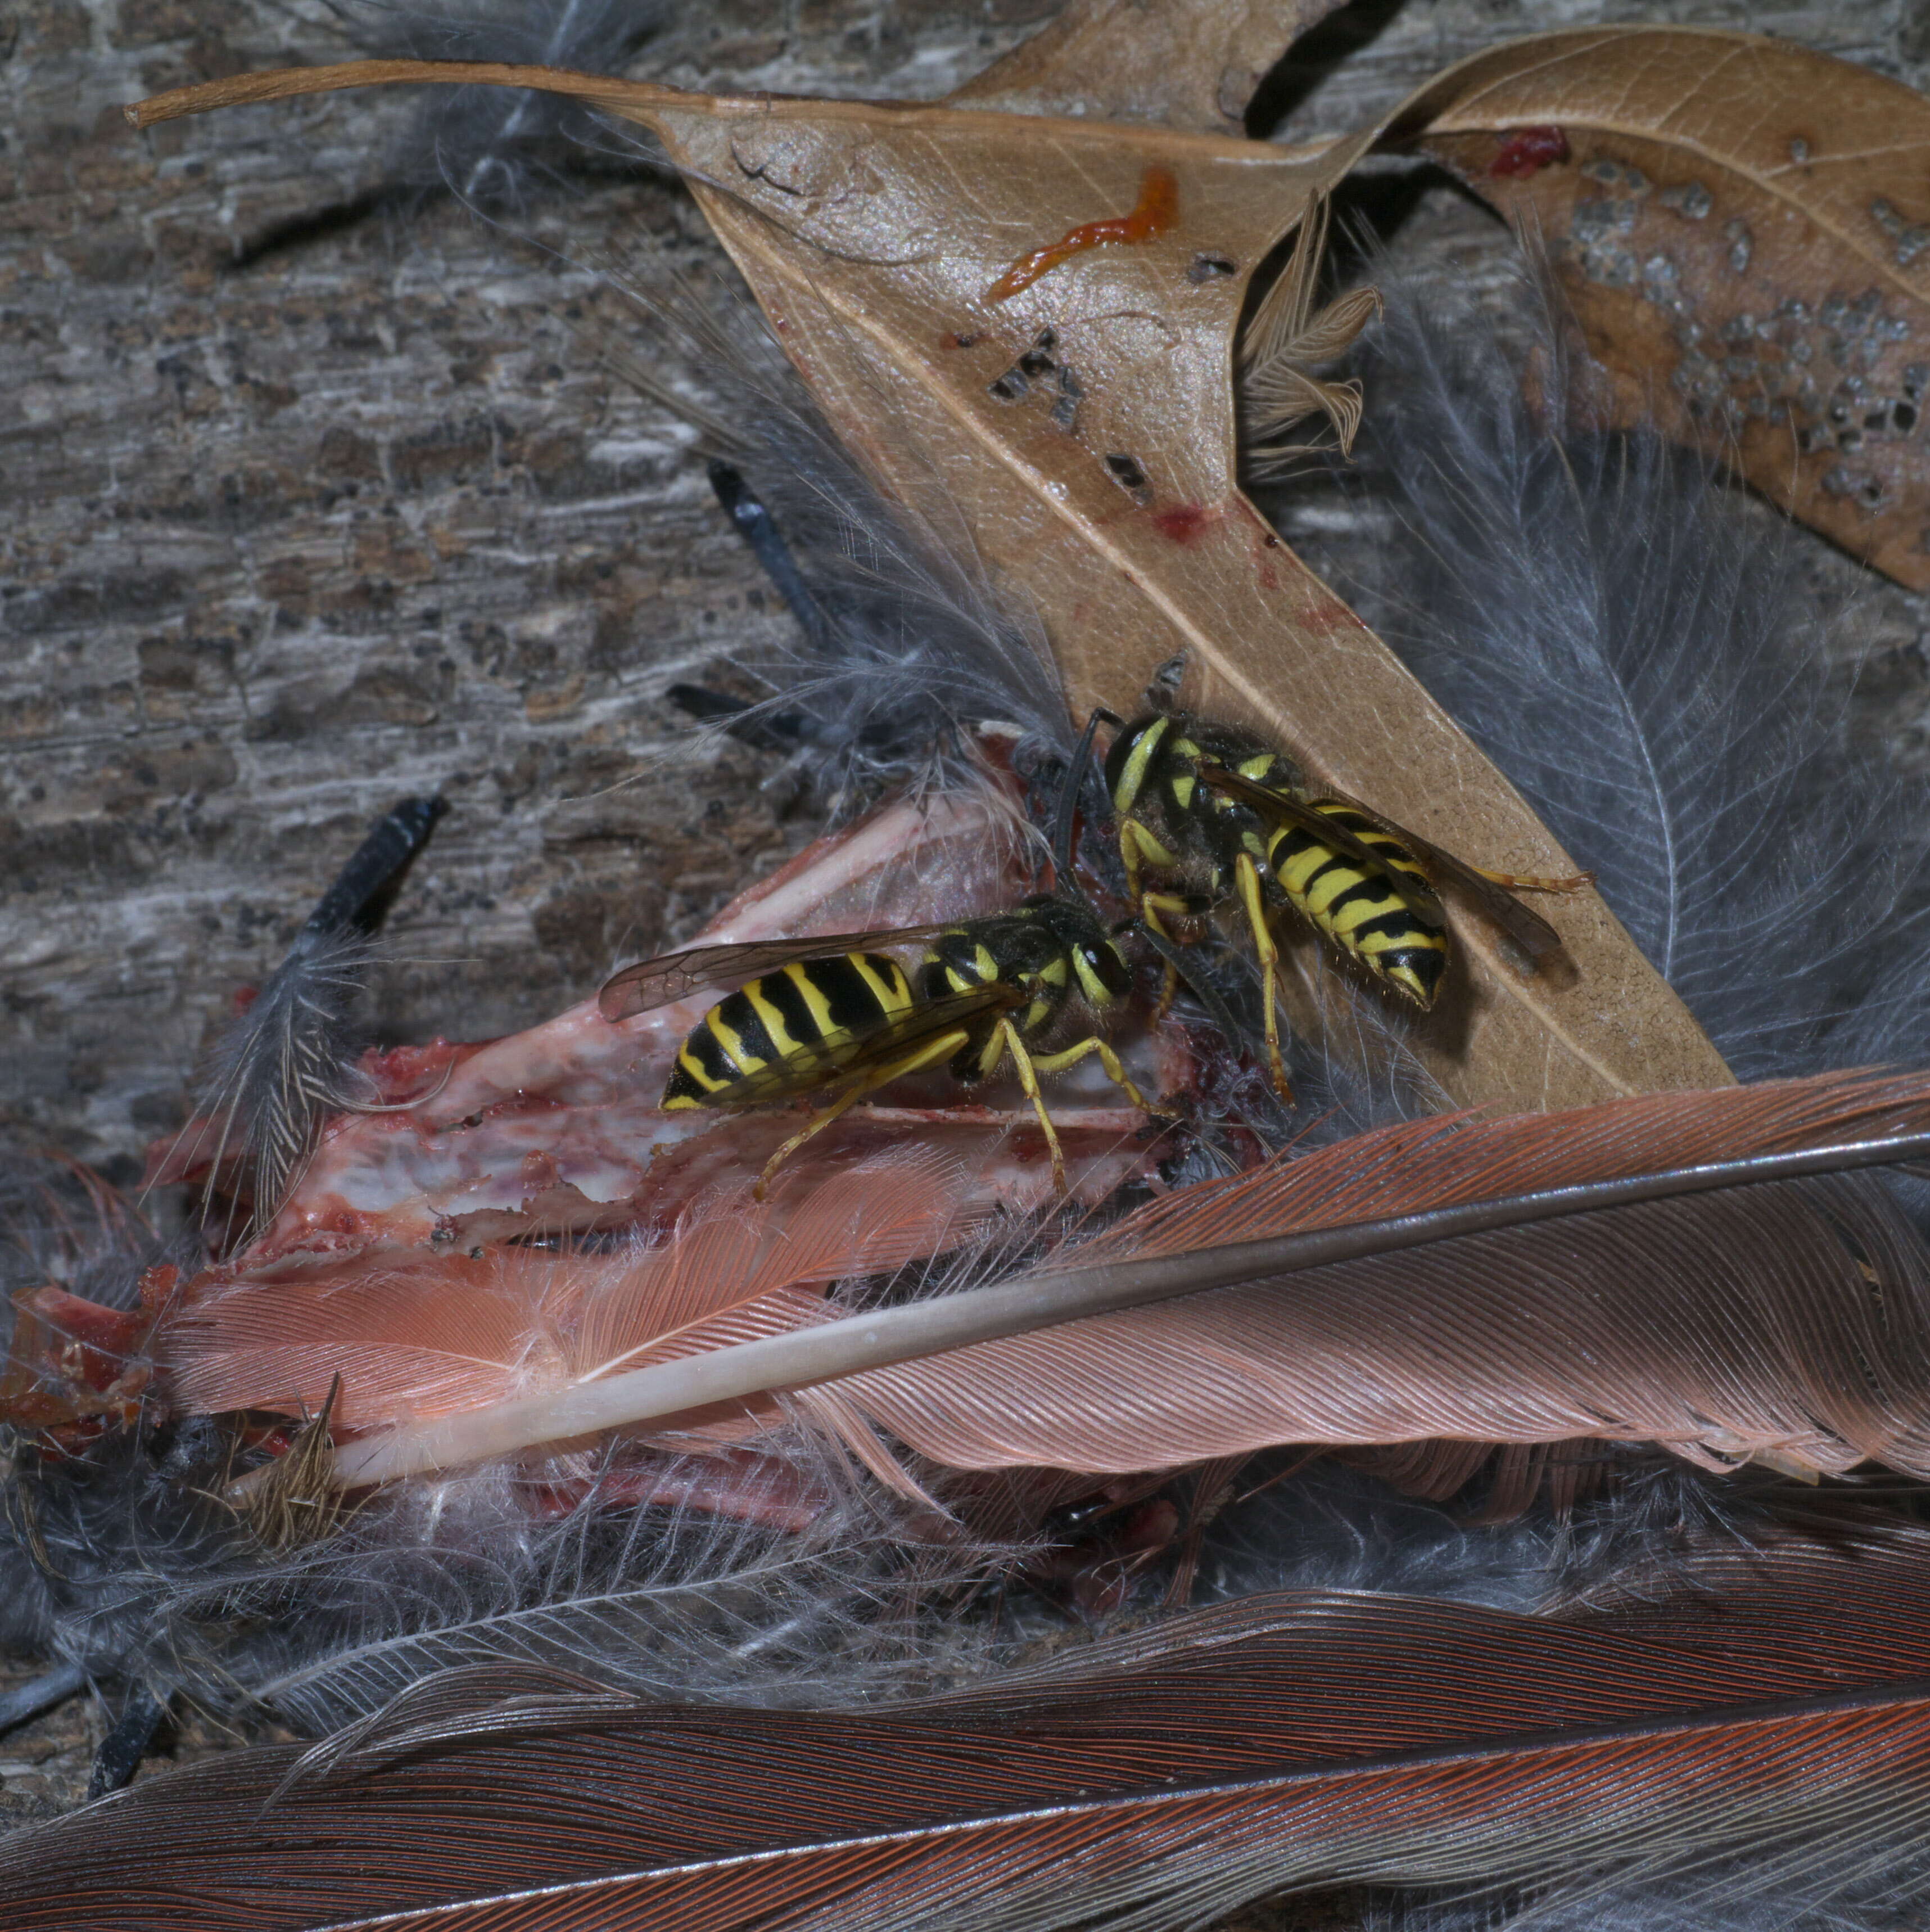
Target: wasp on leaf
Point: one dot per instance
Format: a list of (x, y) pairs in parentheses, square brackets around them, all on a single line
[(1209, 815)]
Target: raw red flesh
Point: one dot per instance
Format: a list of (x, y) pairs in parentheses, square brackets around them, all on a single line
[(556, 1129)]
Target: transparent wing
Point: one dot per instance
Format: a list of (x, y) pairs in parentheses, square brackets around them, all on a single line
[(1282, 808), (1527, 928), (675, 976)]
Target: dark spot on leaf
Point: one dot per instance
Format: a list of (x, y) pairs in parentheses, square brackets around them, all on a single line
[(1183, 522), (1690, 199), (1527, 151), (1210, 268), (1126, 472), (1065, 410)]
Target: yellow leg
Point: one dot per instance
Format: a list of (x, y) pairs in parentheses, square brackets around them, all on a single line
[(1129, 859), (1071, 1056), (1168, 992), (1154, 908), (927, 1054), (1249, 876), (1524, 882), (1029, 1081)]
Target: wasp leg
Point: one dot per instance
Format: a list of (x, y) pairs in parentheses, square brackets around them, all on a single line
[(926, 1054), (1071, 1056), (1151, 905), (1526, 882), (1255, 907), (1129, 857), (1028, 1078), (1148, 906), (1154, 911)]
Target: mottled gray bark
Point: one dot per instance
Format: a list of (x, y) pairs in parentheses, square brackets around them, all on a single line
[(316, 494)]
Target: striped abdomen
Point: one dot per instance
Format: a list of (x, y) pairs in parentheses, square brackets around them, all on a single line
[(784, 1033), (1358, 907)]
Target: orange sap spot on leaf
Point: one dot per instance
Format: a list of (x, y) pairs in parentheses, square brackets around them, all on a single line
[(1158, 202), (1329, 614)]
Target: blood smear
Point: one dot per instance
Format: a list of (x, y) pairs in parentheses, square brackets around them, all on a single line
[(1158, 202), (1530, 151)]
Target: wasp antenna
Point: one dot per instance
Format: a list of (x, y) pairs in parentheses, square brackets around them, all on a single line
[(366, 886), (1067, 816), (755, 524)]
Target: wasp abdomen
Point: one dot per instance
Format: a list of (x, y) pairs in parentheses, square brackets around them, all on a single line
[(804, 1016), (1359, 907)]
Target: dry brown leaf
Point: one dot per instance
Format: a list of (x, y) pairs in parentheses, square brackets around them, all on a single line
[(1743, 228), (1099, 484), (1190, 63)]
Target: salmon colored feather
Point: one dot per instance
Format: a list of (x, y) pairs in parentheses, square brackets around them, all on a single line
[(1446, 1159), (429, 1335), (1735, 1324), (1791, 1321)]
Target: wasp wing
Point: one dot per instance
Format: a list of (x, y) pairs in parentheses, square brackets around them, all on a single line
[(1522, 924), (1283, 808), (861, 1053), (675, 976), (1535, 936)]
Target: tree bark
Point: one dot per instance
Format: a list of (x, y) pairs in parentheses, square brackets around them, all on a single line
[(317, 493)]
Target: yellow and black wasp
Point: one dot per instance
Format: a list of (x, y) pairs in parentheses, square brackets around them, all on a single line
[(1208, 813), (1036, 985)]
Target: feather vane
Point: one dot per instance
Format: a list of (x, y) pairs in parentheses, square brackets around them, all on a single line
[(1402, 1287), (416, 1336), (1285, 1740), (289, 1061), (1722, 1326)]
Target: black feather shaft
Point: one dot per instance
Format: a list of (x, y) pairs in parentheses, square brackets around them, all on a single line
[(804, 1356), (754, 523), (368, 884), (123, 1748)]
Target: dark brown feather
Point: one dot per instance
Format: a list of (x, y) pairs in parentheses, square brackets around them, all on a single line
[(1285, 1741)]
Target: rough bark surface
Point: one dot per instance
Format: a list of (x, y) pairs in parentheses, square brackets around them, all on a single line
[(313, 492)]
